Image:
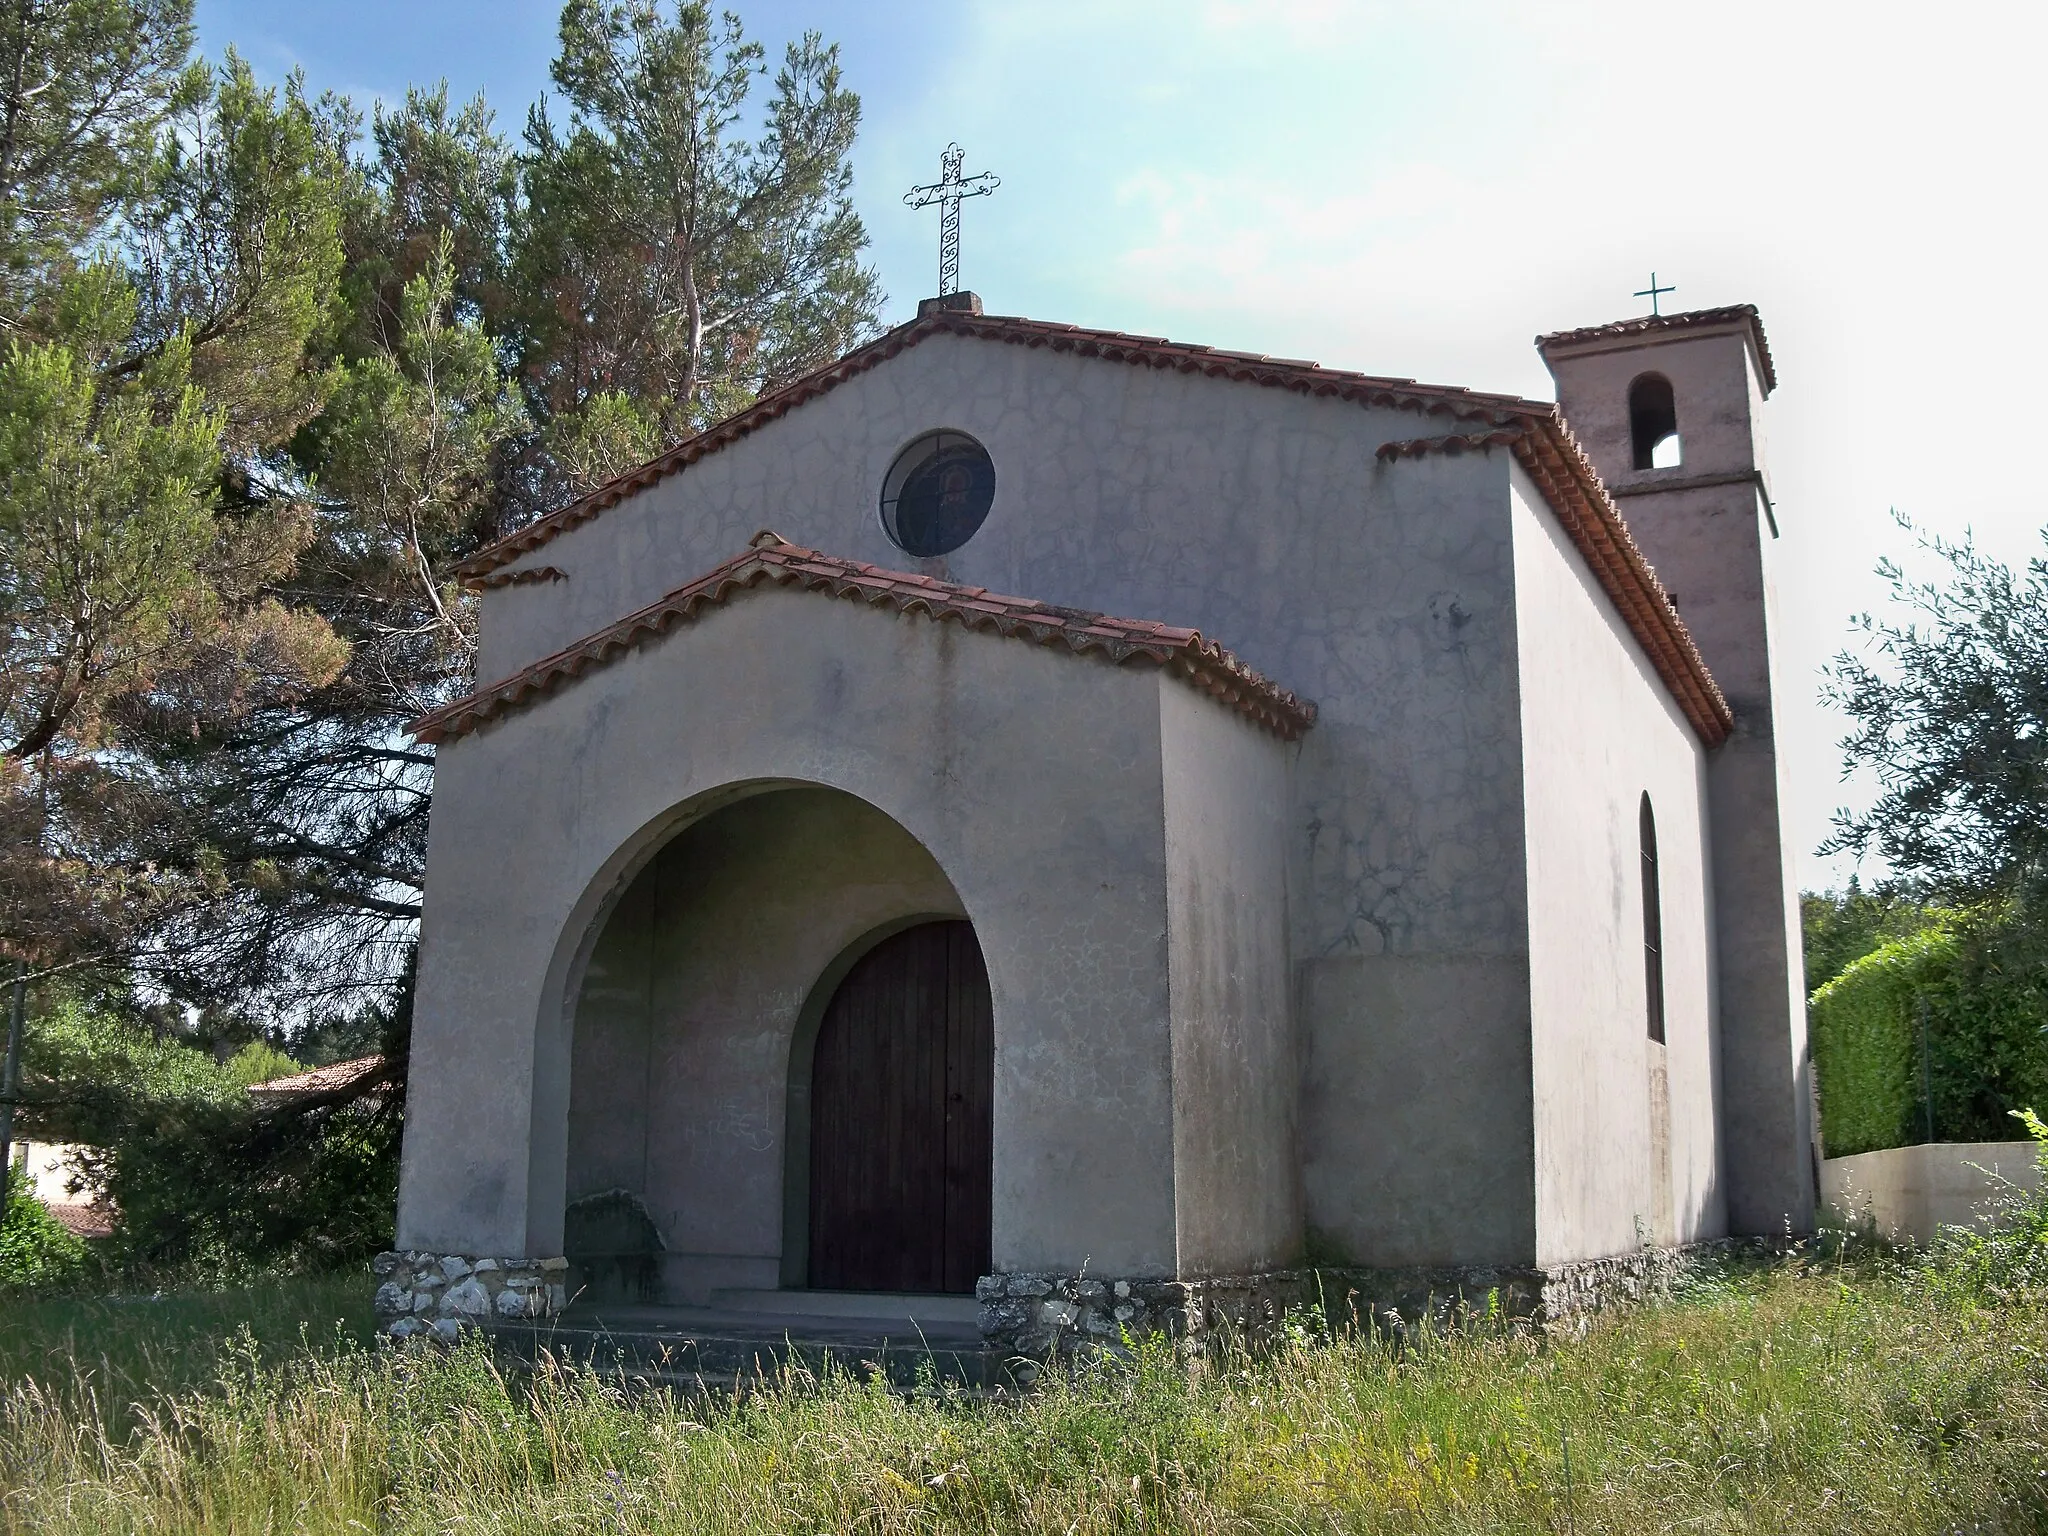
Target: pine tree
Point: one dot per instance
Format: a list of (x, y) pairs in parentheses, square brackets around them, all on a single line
[(669, 269)]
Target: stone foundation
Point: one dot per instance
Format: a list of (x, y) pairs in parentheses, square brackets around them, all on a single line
[(437, 1295), (1042, 1316), (1561, 1296)]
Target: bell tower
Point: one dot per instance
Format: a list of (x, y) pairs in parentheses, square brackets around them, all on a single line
[(1670, 410)]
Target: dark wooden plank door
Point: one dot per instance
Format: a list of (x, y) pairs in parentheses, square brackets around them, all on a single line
[(902, 1080)]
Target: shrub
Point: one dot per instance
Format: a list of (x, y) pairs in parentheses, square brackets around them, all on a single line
[(201, 1173), (37, 1252), (1980, 975)]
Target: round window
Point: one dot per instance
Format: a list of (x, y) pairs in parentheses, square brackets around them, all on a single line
[(937, 493)]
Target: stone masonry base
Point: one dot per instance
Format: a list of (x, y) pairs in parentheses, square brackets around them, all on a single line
[(435, 1295), (1043, 1315)]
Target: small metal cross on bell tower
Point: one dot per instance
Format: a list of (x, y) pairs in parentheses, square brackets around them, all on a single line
[(1653, 293), (947, 192)]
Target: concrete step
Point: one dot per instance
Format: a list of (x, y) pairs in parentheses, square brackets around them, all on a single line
[(889, 1306), (693, 1347)]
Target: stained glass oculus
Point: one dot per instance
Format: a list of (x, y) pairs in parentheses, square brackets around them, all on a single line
[(937, 493)]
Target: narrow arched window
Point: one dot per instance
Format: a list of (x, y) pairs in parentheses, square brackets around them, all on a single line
[(1653, 926), (1653, 423)]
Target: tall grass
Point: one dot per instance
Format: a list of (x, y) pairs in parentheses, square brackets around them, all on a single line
[(1872, 1397)]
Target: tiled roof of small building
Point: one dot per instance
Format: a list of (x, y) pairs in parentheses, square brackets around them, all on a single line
[(1685, 320), (772, 561), (328, 1079)]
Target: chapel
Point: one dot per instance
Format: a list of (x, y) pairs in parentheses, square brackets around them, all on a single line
[(1028, 821)]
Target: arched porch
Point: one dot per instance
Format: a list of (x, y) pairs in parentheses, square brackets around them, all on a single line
[(692, 1167)]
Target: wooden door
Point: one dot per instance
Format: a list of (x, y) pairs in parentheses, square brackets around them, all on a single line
[(901, 1143)]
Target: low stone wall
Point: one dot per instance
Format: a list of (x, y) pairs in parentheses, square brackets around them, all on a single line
[(1907, 1194), (1553, 1296), (437, 1295), (1040, 1316)]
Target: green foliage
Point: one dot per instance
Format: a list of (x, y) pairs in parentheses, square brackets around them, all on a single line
[(232, 1187), (37, 1252), (200, 1174), (84, 87), (1950, 714), (1839, 928), (237, 248), (1856, 1398), (662, 256), (90, 1064), (135, 596), (260, 1062), (2011, 1259), (106, 517), (1983, 979), (1866, 1042)]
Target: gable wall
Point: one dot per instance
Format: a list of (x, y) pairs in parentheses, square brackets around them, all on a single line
[(1259, 516)]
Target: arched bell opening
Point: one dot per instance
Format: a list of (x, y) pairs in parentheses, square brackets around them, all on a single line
[(698, 980), (1653, 423)]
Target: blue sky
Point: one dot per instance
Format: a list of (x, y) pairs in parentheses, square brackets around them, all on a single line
[(1418, 189)]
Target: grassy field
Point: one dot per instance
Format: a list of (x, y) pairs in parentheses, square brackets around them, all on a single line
[(1867, 1397)]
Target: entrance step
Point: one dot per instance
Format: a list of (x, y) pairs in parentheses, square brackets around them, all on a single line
[(722, 1348), (890, 1306)]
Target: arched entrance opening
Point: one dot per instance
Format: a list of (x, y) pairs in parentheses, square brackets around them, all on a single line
[(901, 1144), (707, 976)]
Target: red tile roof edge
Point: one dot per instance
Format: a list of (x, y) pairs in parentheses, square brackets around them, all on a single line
[(331, 1078), (536, 576), (1109, 346), (1451, 445), (771, 560), (1552, 457), (1685, 320)]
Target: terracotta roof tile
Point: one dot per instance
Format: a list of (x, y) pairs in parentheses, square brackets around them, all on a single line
[(1684, 321), (533, 576), (328, 1079), (83, 1218), (771, 561), (1452, 444)]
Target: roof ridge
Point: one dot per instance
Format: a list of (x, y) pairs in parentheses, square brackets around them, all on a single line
[(771, 559), (1111, 346)]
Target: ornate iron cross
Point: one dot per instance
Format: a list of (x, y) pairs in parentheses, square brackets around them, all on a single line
[(1652, 292), (947, 192)]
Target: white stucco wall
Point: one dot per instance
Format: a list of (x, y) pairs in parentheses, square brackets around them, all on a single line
[(1908, 1194), (1237, 1167), (1598, 731), (1704, 526), (1032, 778)]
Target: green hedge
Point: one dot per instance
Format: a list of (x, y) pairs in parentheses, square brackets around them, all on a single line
[(1984, 978), (36, 1250)]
